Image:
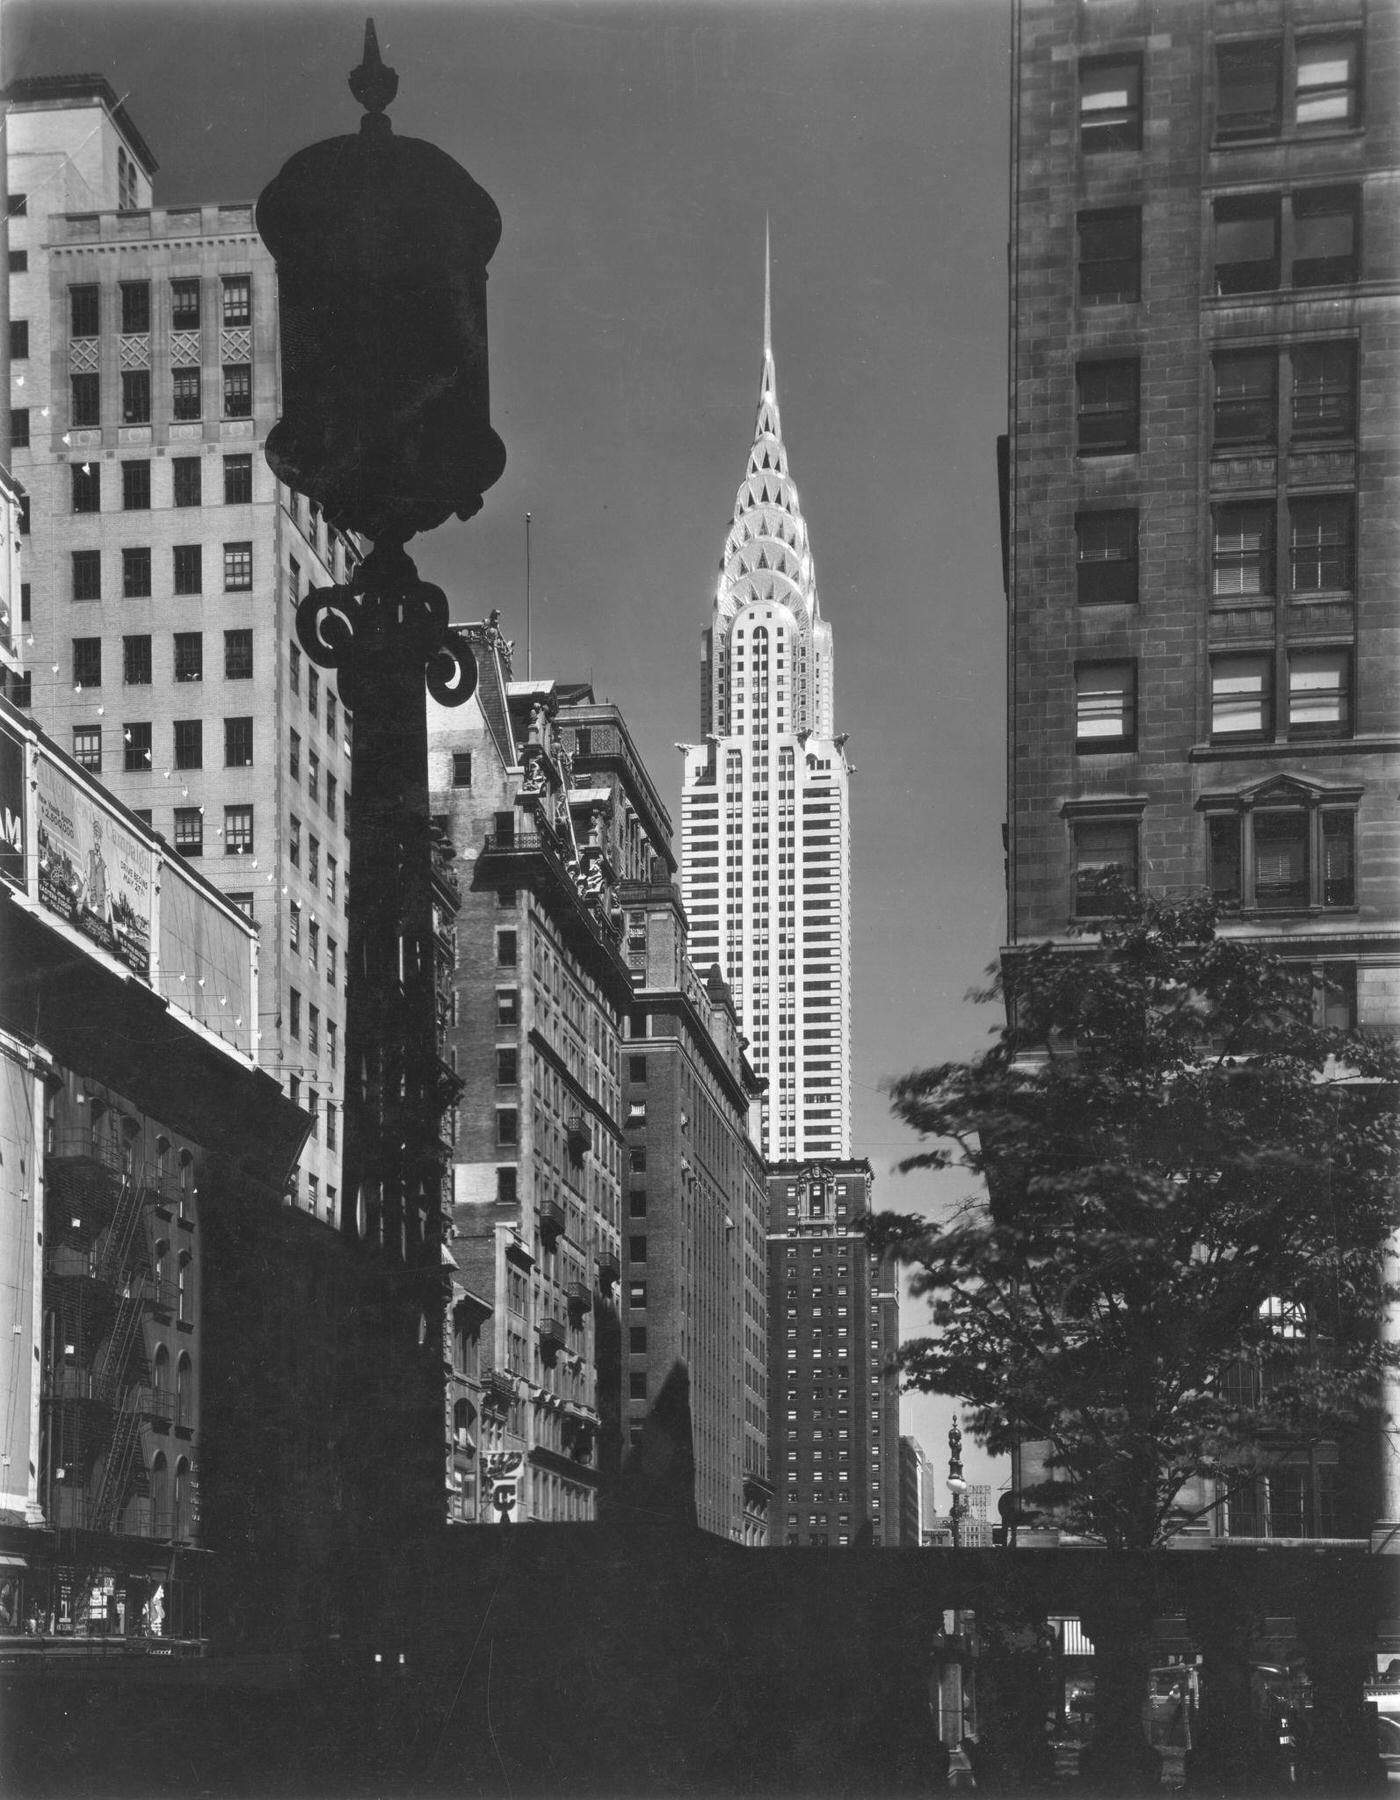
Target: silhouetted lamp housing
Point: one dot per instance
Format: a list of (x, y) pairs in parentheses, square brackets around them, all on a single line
[(381, 245)]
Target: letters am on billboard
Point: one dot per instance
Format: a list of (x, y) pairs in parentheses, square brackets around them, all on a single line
[(93, 871), (11, 809)]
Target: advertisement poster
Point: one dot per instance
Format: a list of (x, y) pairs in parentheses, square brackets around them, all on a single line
[(11, 809), (92, 870)]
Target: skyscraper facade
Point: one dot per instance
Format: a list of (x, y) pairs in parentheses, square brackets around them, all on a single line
[(765, 826), (833, 1312), (162, 563), (1201, 555)]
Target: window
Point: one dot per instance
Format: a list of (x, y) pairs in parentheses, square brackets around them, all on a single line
[(1247, 244), (136, 747), (136, 486), (19, 427), (238, 299), (294, 755), (238, 480), (1249, 90), (82, 311), (189, 743), (507, 1125), (506, 949), (294, 1013), (1325, 236), (87, 747), (313, 1044), (17, 206), (189, 656), (189, 830), (87, 487), (637, 1159), (1246, 398), (313, 775), (313, 692), (1335, 1005), (238, 568), (238, 743), (294, 841), (1107, 407), (87, 574), (19, 262), (186, 470), (87, 662), (184, 305), (462, 768), (136, 573), (238, 391), (1241, 696), (136, 661), (188, 568), (506, 1067), (1326, 87), (332, 868), (238, 830), (507, 1006), (19, 339), (1110, 256), (136, 396), (85, 401), (1324, 390), (313, 858), (1101, 847), (332, 789), (1242, 554), (1319, 544), (637, 1340), (1110, 103), (186, 397), (1302, 857), (1108, 558), (238, 655), (136, 306), (1319, 692)]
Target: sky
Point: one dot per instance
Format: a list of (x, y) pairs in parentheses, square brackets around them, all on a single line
[(635, 150)]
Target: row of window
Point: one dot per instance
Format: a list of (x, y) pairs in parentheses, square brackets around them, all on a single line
[(1264, 88), (186, 571), (187, 658), (1275, 859), (1245, 400), (134, 305), (186, 483), (187, 745), (313, 857), (186, 395), (313, 773), (1319, 531), (1307, 238), (1316, 690)]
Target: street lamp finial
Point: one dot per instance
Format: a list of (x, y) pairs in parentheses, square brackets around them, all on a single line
[(373, 83)]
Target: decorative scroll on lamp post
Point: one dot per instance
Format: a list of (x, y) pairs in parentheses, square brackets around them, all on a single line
[(381, 245)]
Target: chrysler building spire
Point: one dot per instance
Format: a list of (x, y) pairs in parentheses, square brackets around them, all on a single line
[(765, 847)]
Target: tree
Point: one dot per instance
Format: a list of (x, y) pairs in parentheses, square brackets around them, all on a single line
[(1173, 1264)]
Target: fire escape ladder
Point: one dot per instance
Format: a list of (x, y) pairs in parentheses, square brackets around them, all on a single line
[(111, 1367), (117, 1250), (116, 1470)]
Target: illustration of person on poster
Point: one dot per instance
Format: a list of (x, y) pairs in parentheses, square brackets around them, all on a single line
[(95, 895)]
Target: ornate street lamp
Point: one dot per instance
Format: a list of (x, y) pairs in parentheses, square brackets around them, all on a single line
[(957, 1486), (381, 245)]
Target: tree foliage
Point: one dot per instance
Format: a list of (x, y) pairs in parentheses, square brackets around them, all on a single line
[(1173, 1263)]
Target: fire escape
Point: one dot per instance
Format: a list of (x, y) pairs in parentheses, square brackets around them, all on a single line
[(98, 1290)]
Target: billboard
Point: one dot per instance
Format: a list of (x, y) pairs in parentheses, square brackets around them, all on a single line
[(11, 809), (93, 871)]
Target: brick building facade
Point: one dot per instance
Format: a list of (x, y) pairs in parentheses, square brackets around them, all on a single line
[(833, 1314)]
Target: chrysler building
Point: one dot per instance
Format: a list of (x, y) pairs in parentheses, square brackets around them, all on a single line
[(765, 832)]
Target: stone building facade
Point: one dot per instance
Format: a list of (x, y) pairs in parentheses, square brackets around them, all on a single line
[(1199, 492), (162, 562)]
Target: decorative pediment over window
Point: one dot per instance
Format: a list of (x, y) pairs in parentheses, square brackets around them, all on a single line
[(1281, 790)]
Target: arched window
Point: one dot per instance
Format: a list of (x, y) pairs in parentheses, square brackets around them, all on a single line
[(180, 1521), (160, 1268), (160, 1496), (184, 1390), (184, 1282), (160, 1369)]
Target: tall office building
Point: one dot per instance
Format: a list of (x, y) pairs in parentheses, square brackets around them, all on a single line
[(833, 1312), (765, 828), (1201, 554), (162, 563)]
